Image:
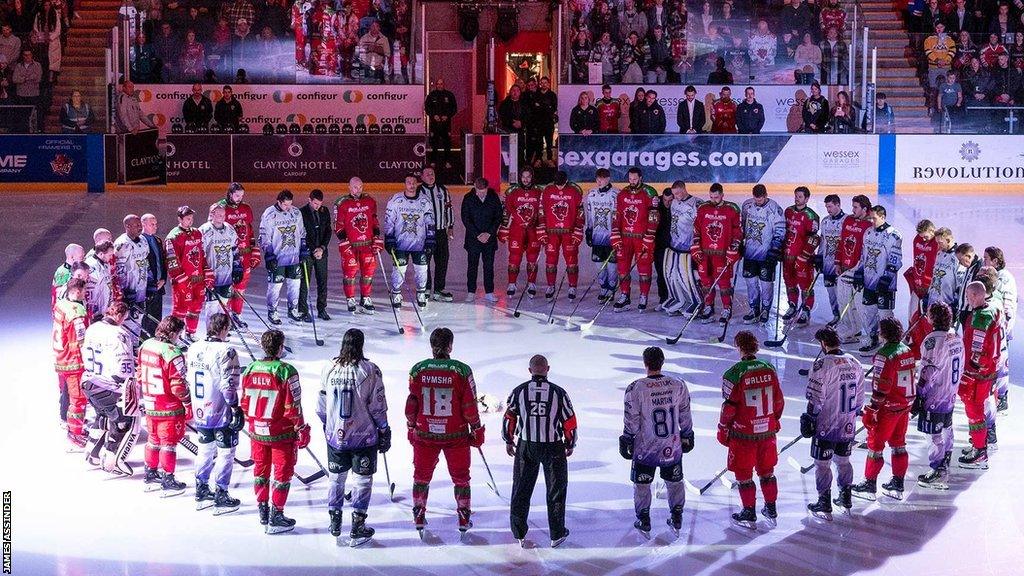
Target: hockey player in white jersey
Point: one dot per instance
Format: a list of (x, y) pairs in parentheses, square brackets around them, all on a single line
[(109, 384), (942, 363), (835, 393), (881, 258), (409, 230), (220, 245), (213, 372), (680, 279), (657, 431), (945, 283), (830, 228), (598, 212), (282, 240), (1005, 298), (131, 270), (353, 410), (764, 230), (100, 286)]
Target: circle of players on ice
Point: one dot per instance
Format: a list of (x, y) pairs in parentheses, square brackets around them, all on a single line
[(135, 370)]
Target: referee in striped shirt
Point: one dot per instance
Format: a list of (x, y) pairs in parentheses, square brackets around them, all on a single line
[(540, 414), (444, 222)]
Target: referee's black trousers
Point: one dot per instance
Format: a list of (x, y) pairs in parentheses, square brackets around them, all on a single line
[(530, 456)]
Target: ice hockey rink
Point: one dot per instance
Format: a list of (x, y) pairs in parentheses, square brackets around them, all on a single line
[(69, 519)]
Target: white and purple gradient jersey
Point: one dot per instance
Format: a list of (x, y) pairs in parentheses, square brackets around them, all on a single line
[(282, 235), (830, 229), (131, 267), (882, 255), (835, 392), (942, 363), (599, 211), (213, 373), (108, 356), (945, 281), (352, 405), (409, 222), (764, 228), (657, 411), (221, 248), (682, 214)]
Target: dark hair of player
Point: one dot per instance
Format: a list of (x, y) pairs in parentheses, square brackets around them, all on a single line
[(654, 358), (716, 187), (561, 178), (351, 351), (605, 87), (746, 342), (828, 337), (316, 194), (80, 266), (759, 191), (272, 342), (603, 173), (964, 248), (690, 88), (863, 201), (285, 195), (995, 254), (890, 329), (169, 328), (635, 170), (655, 92), (924, 226), (75, 284), (117, 309), (481, 183), (940, 316), (526, 170), (988, 276), (217, 323), (108, 245), (832, 199), (441, 340), (803, 190), (880, 210), (679, 184)]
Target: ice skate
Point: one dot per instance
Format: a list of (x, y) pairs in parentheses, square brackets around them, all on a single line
[(555, 543), (869, 348), (894, 488), (763, 318), (549, 293), (273, 317), (724, 318), (823, 507), (511, 290), (223, 503), (936, 479), (151, 481), (791, 312), (751, 316), (643, 523), (745, 518), (442, 296), (336, 519), (419, 519), (770, 514), (263, 509), (531, 289), (845, 499), (621, 303), (641, 304), (171, 487), (237, 320), (803, 317), (366, 305), (571, 294), (421, 300), (975, 459), (360, 533), (114, 465), (204, 497), (707, 315), (351, 304), (675, 520), (76, 442), (396, 300), (1003, 405), (865, 490), (279, 522)]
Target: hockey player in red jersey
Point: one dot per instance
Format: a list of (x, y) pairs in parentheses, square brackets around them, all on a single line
[(983, 341), (441, 415), (723, 113), (299, 11), (168, 404), (359, 241), (919, 274), (190, 275), (634, 226), (519, 229), (272, 403), (850, 272), (717, 237), (801, 244), (239, 214), (323, 39), (608, 112), (749, 420), (560, 228), (893, 390), (69, 322)]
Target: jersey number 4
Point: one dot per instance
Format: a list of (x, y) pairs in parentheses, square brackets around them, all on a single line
[(437, 402)]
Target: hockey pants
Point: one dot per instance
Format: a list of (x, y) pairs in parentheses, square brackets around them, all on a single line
[(425, 458), (164, 435), (360, 492), (850, 323), (746, 457), (975, 393), (878, 304), (798, 276), (570, 251), (358, 265), (283, 276), (530, 458), (607, 276), (279, 457), (680, 281), (833, 297), (419, 267), (216, 301), (709, 267), (890, 428), (216, 455), (187, 300), (72, 401), (629, 248), (760, 280), (823, 473), (519, 243), (942, 443)]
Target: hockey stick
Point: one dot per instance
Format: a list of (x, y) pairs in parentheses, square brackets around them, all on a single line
[(387, 474), (391, 292), (803, 304), (309, 309), (231, 323), (842, 314), (515, 312), (194, 449), (698, 306), (587, 291), (415, 305), (711, 482), (307, 480), (805, 469), (154, 319), (251, 307), (554, 300), (492, 484), (718, 339), (588, 325)]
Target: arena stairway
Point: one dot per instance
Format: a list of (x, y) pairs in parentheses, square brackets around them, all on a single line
[(83, 61), (897, 63)]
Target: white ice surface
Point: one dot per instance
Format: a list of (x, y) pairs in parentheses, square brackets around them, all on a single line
[(68, 519)]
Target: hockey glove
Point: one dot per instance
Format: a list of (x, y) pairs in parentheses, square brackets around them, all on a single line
[(917, 407), (503, 234), (774, 255), (510, 449), (303, 439), (428, 246), (208, 282), (384, 440), (697, 256), (237, 272), (858, 279), (410, 435), (732, 253), (129, 294), (808, 424), (390, 243), (819, 262), (626, 446), (686, 441), (303, 252), (588, 234), (237, 419), (378, 243), (723, 435), (476, 438), (870, 418), (271, 262), (188, 412)]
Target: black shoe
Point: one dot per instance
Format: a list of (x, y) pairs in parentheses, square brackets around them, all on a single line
[(336, 518), (823, 507), (556, 542), (621, 303), (675, 521), (464, 522), (745, 518), (273, 317), (293, 316), (975, 459), (936, 479), (152, 480), (204, 497), (643, 522), (224, 503), (306, 317), (751, 316), (419, 517), (706, 315), (360, 533), (865, 490), (550, 292), (990, 438), (279, 522), (264, 510), (894, 488), (237, 319), (444, 296), (323, 315), (869, 349)]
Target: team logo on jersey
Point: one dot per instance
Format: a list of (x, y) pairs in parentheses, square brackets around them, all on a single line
[(560, 209), (937, 277), (287, 235), (755, 231), (714, 231), (849, 246), (666, 452), (630, 215), (602, 215), (360, 222), (873, 254), (222, 255), (919, 263), (525, 212), (831, 242), (409, 223)]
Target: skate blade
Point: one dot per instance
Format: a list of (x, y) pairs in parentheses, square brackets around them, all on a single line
[(934, 486), (522, 543), (865, 496), (771, 522), (278, 529), (422, 533), (646, 534), (894, 494), (172, 493), (979, 466), (151, 488), (204, 505), (827, 516), (222, 510), (674, 530), (356, 542), (748, 524)]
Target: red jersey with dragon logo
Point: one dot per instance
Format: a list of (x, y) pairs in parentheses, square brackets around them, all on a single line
[(851, 242), (561, 210), (716, 227), (355, 220)]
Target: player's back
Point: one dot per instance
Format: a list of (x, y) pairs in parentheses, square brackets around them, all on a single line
[(942, 361), (213, 371), (836, 391), (442, 400), (752, 386), (658, 410), (107, 355), (270, 392), (894, 385), (162, 375), (352, 404)]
